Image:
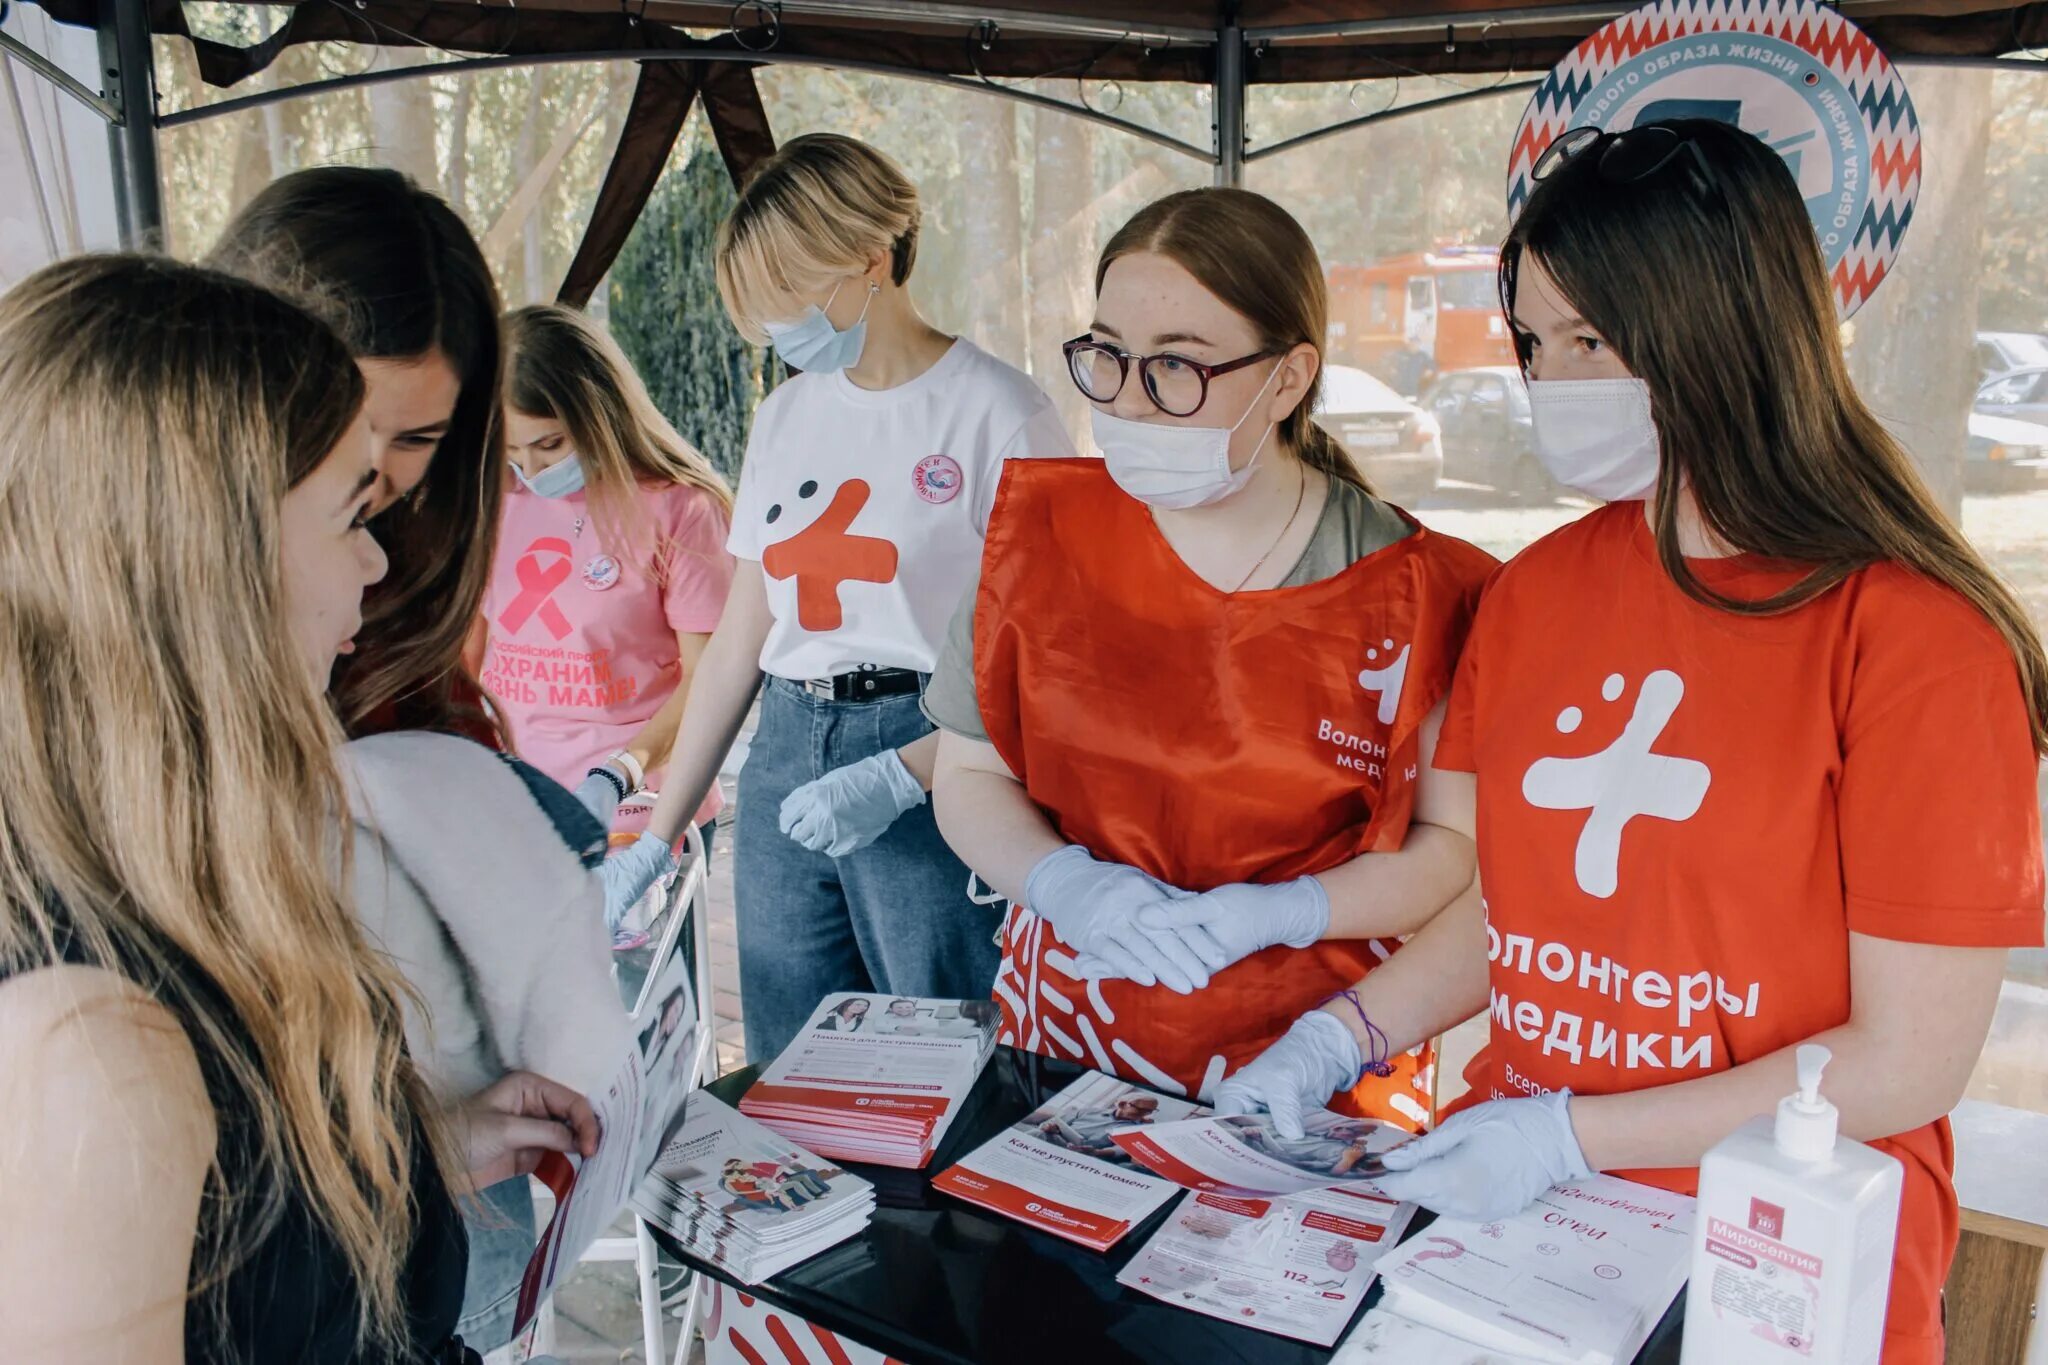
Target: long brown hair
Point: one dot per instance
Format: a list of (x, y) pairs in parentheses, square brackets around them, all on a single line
[(173, 812), (392, 269), (1250, 253), (560, 365), (1708, 283)]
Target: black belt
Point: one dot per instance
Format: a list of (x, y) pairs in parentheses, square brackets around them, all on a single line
[(864, 684)]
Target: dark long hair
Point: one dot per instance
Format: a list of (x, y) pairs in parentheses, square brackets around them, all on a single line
[(392, 269), (1708, 282), (1251, 253)]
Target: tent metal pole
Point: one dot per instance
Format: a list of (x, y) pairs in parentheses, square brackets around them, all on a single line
[(131, 87), (59, 77), (1229, 100)]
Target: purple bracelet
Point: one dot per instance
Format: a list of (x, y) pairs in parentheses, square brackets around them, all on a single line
[(1377, 1064)]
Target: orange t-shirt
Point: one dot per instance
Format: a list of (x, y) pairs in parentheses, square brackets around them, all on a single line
[(1684, 813)]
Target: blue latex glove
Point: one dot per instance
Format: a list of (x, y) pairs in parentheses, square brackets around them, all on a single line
[(851, 807), (1313, 1060), (599, 797), (631, 874), (1490, 1161), (1094, 906), (1232, 922)]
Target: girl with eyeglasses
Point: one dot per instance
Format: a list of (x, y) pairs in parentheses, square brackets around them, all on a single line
[(1755, 743), (1188, 713)]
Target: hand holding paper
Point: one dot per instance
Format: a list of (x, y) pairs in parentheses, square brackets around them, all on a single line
[(511, 1124), (1313, 1060), (1490, 1161)]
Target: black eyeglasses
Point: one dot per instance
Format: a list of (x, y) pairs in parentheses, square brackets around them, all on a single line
[(1628, 158), (1177, 385)]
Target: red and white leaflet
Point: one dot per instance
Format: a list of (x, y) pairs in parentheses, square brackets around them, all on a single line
[(874, 1078), (1058, 1170), (1242, 1154), (1297, 1266)]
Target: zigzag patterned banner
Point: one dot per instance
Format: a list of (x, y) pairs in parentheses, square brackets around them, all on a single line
[(1793, 72)]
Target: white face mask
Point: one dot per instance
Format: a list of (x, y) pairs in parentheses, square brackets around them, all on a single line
[(1596, 436), (1175, 467)]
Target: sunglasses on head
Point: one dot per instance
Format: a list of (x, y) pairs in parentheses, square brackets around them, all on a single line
[(1629, 158)]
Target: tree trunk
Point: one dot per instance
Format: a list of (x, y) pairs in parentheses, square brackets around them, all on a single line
[(536, 173), (402, 122), (992, 224), (1062, 254), (1912, 354), (532, 261), (457, 179)]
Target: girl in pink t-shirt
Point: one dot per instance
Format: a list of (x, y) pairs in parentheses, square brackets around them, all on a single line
[(611, 569)]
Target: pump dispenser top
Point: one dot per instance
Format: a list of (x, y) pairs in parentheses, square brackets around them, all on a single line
[(1806, 1121)]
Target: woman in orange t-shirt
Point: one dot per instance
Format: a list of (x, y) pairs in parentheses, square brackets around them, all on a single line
[(1755, 743)]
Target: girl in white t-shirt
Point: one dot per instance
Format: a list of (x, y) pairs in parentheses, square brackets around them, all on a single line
[(866, 490)]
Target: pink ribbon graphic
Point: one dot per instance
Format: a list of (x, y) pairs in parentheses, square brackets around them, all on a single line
[(537, 584)]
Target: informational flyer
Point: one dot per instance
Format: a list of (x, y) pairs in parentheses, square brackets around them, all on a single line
[(1244, 1154), (1580, 1277), (1297, 1266), (1059, 1169)]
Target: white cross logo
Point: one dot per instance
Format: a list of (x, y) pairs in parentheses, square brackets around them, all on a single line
[(1620, 782), (1387, 679)]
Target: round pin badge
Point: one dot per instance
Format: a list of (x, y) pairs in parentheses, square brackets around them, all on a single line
[(1794, 73), (600, 572), (937, 478)]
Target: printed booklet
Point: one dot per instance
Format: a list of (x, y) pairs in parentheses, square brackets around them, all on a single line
[(1580, 1277), (1059, 1170), (741, 1197), (1242, 1154), (1297, 1266), (876, 1079)]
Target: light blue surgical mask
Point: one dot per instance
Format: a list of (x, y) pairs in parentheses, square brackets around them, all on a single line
[(812, 344), (558, 480)]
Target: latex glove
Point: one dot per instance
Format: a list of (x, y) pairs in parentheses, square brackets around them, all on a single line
[(600, 798), (508, 1126), (1241, 919), (629, 875), (1490, 1161), (851, 807), (1313, 1060), (1093, 906)]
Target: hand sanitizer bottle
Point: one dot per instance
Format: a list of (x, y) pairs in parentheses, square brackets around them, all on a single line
[(1792, 1245)]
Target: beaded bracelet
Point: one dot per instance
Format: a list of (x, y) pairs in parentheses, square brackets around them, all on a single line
[(618, 783), (1378, 1063)]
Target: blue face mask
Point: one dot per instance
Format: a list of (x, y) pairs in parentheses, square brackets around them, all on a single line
[(558, 480), (812, 344)]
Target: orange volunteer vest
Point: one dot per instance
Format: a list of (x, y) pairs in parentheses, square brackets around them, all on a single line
[(1205, 738)]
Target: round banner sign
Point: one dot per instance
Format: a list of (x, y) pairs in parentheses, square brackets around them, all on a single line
[(1794, 73)]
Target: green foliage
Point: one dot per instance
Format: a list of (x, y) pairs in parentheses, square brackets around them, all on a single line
[(665, 314)]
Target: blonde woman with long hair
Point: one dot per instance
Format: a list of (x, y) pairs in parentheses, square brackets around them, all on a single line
[(862, 504), (225, 1153), (611, 573)]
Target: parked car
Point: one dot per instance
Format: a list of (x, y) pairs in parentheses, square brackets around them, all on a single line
[(2003, 352), (1394, 443), (2022, 394), (1487, 433), (2004, 455)]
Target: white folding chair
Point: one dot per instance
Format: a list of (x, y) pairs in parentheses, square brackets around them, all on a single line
[(689, 894)]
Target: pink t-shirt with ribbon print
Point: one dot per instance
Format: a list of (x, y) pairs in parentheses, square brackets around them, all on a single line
[(583, 640)]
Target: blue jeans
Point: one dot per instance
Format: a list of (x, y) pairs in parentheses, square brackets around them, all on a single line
[(501, 1241), (893, 918)]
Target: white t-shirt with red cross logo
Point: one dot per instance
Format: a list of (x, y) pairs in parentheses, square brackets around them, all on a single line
[(866, 508)]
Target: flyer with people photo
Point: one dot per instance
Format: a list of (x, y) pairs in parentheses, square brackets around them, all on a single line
[(1297, 1266), (1059, 1170), (1244, 1154)]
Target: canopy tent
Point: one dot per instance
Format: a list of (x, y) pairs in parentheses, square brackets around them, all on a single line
[(690, 52)]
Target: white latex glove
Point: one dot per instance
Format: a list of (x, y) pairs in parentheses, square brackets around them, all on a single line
[(849, 808), (1490, 1161), (1232, 922), (629, 875), (1305, 1066), (599, 797), (1093, 906)]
